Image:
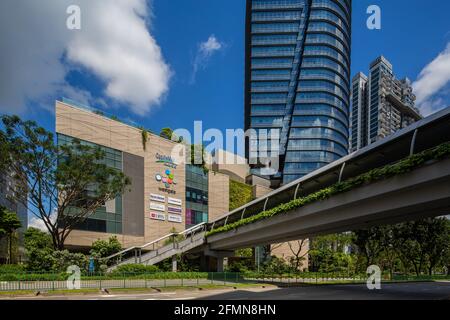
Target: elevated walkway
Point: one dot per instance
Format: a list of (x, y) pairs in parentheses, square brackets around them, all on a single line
[(158, 250)]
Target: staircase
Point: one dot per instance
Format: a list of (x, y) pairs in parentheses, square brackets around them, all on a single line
[(160, 249)]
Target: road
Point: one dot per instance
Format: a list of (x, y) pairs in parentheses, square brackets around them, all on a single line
[(404, 291)]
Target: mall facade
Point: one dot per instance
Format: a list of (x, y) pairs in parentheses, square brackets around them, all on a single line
[(164, 195)]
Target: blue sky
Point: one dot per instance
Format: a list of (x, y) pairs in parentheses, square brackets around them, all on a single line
[(412, 36)]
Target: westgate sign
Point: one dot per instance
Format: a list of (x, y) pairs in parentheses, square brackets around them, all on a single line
[(166, 160)]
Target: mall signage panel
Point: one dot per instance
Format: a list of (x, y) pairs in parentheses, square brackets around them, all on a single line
[(158, 216), (175, 210), (157, 206), (157, 197), (174, 201), (174, 218)]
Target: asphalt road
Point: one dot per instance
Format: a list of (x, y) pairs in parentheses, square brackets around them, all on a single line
[(405, 291)]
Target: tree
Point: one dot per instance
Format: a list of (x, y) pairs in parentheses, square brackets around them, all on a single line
[(437, 241), (368, 243), (298, 255), (167, 133), (328, 253), (9, 223), (105, 248), (65, 184), (411, 238), (39, 250)]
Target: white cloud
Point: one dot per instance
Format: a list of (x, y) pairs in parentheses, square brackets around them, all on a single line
[(431, 81), (204, 52), (114, 44), (34, 222)]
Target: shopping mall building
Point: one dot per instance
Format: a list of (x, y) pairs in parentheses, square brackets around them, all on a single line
[(164, 194)]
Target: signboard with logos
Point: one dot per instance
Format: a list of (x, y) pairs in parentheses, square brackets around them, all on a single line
[(175, 210), (157, 197), (157, 206), (174, 201), (167, 177), (174, 218), (158, 216)]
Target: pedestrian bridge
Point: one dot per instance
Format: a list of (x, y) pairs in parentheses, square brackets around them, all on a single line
[(421, 192)]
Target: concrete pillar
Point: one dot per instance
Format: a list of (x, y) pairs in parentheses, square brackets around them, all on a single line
[(220, 264), (204, 265), (174, 264)]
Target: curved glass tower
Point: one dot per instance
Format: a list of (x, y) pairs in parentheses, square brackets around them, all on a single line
[(297, 80)]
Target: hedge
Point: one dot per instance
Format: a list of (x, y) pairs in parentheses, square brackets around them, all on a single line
[(110, 276), (406, 165)]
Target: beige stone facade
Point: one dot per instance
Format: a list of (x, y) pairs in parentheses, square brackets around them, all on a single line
[(88, 126), (218, 195), (232, 165)]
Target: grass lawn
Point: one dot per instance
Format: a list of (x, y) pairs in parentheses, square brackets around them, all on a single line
[(130, 290)]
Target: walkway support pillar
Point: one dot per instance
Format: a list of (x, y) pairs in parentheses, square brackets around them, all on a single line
[(220, 264), (174, 264)]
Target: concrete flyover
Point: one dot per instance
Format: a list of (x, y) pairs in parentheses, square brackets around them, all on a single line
[(424, 192), (421, 193)]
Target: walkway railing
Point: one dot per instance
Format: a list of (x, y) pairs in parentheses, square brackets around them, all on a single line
[(170, 240)]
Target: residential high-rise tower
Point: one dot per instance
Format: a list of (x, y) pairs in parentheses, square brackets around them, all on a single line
[(381, 104)]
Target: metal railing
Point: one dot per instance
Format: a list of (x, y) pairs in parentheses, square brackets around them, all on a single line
[(137, 251), (55, 282)]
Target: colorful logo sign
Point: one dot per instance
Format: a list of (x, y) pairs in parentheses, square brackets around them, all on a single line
[(166, 160), (168, 179)]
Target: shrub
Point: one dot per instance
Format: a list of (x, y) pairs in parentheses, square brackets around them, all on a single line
[(63, 259), (103, 248), (135, 269), (11, 268)]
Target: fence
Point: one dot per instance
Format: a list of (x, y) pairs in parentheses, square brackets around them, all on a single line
[(51, 282)]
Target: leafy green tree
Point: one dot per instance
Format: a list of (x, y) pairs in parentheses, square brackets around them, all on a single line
[(62, 259), (43, 258), (276, 265), (65, 184), (412, 240), (327, 253), (105, 248), (9, 223), (437, 241), (369, 244), (39, 250), (167, 133)]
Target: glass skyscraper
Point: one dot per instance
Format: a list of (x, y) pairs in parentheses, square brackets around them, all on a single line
[(297, 80)]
